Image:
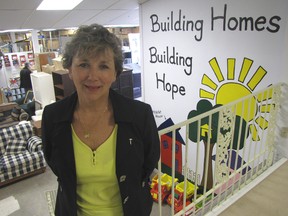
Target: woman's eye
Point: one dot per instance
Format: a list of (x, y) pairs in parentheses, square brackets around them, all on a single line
[(104, 66), (83, 65)]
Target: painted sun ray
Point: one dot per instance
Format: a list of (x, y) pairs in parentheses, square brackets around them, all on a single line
[(262, 122), (266, 108), (265, 96), (256, 78), (208, 82), (254, 132), (206, 94), (217, 71), (231, 68), (246, 65), (259, 104)]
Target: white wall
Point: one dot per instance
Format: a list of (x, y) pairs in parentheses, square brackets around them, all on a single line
[(259, 53), (223, 61)]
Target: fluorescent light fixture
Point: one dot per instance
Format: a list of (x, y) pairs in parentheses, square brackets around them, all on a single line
[(71, 28), (58, 4), (49, 29), (16, 30)]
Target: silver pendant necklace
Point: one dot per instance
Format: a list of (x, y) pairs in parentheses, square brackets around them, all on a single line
[(86, 132), (86, 135)]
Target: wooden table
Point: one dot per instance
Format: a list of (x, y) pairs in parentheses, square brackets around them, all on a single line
[(37, 127)]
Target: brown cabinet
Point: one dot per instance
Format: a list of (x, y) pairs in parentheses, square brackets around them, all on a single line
[(124, 84), (63, 85)]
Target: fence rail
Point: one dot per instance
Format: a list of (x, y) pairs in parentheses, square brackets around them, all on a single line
[(223, 150)]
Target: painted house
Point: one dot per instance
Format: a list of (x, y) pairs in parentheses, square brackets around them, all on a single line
[(166, 149)]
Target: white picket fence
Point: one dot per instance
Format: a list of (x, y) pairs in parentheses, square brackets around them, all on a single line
[(230, 145)]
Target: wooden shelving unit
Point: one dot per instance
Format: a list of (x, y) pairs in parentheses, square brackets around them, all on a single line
[(63, 85)]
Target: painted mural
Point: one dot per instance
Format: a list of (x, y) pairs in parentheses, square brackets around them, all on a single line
[(199, 55)]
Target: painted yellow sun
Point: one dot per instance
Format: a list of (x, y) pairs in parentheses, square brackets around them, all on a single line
[(235, 87)]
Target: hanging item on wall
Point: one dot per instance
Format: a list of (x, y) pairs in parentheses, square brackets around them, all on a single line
[(22, 60), (7, 61), (14, 84), (30, 56), (31, 62), (15, 60)]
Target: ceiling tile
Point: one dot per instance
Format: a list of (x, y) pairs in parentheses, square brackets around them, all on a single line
[(19, 4), (22, 14), (95, 4), (44, 19), (125, 4), (127, 19), (106, 16), (76, 18), (9, 19)]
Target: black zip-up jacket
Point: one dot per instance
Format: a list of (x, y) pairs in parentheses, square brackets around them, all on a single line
[(137, 152)]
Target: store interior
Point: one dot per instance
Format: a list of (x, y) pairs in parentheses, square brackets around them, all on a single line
[(28, 36)]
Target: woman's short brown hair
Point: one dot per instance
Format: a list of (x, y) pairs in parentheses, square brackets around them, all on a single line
[(90, 40)]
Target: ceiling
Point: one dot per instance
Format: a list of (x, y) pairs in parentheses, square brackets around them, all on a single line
[(22, 14)]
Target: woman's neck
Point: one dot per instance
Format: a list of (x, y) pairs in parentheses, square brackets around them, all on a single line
[(95, 107)]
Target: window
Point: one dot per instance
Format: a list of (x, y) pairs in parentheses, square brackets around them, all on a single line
[(165, 144)]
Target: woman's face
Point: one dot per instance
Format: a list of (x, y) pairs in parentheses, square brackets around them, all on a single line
[(93, 75)]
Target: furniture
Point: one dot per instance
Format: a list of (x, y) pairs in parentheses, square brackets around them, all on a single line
[(13, 94), (5, 115), (136, 73), (37, 127), (63, 85), (137, 90), (11, 114), (27, 103), (7, 106), (42, 85), (124, 84), (21, 153)]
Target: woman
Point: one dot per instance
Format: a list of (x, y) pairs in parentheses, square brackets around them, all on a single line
[(101, 146)]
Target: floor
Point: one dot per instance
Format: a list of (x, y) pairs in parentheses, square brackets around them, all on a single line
[(267, 198), (30, 194)]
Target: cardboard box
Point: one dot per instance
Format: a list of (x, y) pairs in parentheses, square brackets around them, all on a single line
[(48, 68), (37, 127), (58, 63)]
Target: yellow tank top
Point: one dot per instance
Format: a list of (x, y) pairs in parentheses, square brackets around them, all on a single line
[(97, 185)]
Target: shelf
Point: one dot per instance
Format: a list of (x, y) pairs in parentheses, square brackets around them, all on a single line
[(60, 86), (59, 97), (63, 85)]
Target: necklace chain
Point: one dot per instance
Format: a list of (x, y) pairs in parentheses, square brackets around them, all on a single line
[(86, 132)]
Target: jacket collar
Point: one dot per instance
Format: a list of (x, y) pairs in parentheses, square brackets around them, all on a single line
[(123, 111)]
